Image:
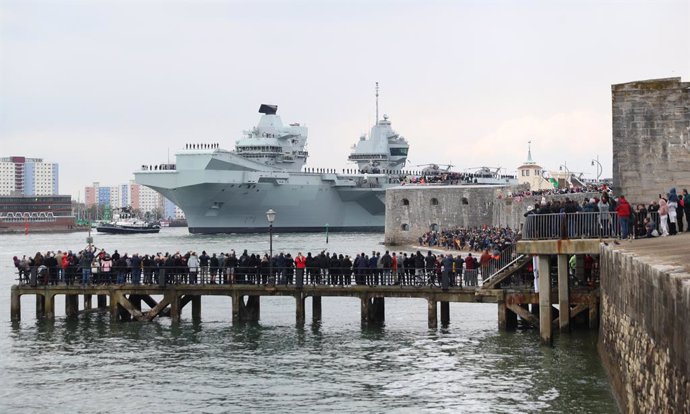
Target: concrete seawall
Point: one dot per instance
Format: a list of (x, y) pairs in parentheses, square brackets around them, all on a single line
[(644, 338)]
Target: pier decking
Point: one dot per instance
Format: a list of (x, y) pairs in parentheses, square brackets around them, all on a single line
[(146, 302)]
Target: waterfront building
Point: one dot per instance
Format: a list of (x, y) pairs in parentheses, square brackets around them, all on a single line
[(36, 213), (132, 195), (532, 174), (22, 176)]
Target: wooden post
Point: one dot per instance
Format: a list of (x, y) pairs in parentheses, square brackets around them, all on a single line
[(237, 305), (71, 305), (299, 308), (87, 302), (196, 307), (378, 310), (101, 302), (40, 306), (175, 307), (433, 313), (445, 313), (545, 300), (563, 292), (50, 306), (502, 315), (114, 310), (593, 315), (253, 308), (16, 304), (365, 308), (316, 308)]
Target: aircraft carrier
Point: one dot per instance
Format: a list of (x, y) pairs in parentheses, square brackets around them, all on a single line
[(223, 191)]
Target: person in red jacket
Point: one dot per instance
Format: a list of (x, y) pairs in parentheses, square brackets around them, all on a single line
[(623, 209), (300, 265)]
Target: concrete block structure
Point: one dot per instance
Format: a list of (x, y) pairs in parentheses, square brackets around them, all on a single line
[(651, 137)]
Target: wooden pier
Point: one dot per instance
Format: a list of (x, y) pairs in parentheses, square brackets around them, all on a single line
[(578, 306), (145, 303)]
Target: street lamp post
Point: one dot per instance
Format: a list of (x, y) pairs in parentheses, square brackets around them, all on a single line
[(600, 168), (270, 216)]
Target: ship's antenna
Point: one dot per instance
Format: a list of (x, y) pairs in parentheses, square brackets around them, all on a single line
[(377, 103)]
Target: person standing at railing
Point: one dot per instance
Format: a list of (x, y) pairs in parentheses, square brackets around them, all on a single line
[(300, 266), (193, 267), (624, 212), (203, 267), (484, 261), (663, 217), (639, 221), (135, 263), (447, 266), (605, 223), (685, 203), (672, 212)]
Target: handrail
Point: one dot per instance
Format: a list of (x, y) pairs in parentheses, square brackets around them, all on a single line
[(499, 271), (580, 225)]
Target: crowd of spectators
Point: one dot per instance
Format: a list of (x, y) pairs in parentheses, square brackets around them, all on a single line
[(470, 238), (526, 194), (92, 266), (615, 217)]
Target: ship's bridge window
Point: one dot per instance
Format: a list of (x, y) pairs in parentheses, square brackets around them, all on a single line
[(405, 202), (434, 201), (398, 151)]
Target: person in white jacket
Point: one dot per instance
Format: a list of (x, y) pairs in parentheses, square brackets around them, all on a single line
[(193, 266)]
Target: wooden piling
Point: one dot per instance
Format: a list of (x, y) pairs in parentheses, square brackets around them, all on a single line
[(40, 306), (378, 310), (563, 294), (114, 311), (545, 330), (15, 304), (50, 306), (299, 309), (87, 302), (433, 313), (593, 315), (365, 305), (445, 313), (253, 308), (196, 307), (71, 305), (316, 308), (175, 307), (101, 301)]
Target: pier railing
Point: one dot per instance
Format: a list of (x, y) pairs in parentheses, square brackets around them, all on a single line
[(571, 226), (249, 275)]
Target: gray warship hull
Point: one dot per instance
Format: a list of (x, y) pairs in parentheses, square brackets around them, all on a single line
[(218, 197)]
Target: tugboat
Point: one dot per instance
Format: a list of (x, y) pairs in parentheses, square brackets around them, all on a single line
[(126, 223)]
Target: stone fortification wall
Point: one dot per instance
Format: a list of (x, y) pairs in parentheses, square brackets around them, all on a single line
[(414, 210), (644, 338), (651, 143)]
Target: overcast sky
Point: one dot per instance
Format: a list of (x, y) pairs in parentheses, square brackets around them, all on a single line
[(102, 87)]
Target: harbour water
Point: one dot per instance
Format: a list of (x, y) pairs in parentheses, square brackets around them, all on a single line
[(91, 365)]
